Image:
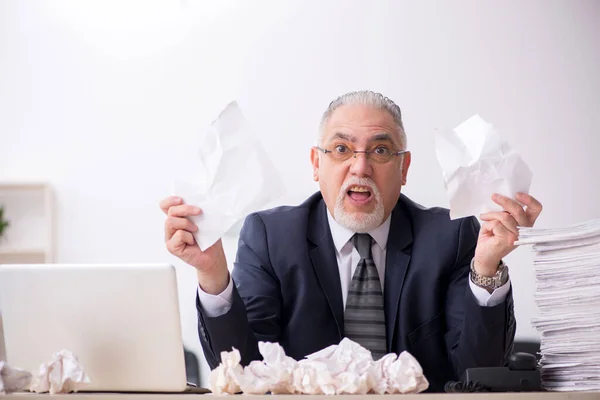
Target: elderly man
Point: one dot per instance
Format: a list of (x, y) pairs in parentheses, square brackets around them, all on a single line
[(358, 259)]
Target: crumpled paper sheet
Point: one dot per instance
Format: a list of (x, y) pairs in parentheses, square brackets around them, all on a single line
[(273, 374), (477, 162), (224, 379), (412, 379), (235, 177), (346, 368), (13, 379), (63, 374)]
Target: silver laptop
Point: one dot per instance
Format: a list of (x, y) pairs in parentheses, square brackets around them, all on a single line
[(121, 321)]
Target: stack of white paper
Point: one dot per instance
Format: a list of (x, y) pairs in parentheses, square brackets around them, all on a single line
[(567, 272)]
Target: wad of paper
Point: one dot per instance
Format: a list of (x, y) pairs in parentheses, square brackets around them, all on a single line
[(567, 277), (344, 368), (476, 163), (235, 177), (63, 374), (13, 379)]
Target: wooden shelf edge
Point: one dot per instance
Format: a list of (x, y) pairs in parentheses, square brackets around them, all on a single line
[(9, 251), (10, 185)]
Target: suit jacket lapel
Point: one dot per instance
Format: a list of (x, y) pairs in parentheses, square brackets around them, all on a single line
[(324, 263), (397, 259)]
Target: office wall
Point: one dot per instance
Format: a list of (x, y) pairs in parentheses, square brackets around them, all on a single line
[(108, 100)]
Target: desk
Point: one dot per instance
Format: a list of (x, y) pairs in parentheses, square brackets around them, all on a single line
[(422, 396)]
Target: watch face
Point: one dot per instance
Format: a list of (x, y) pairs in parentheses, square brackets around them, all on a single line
[(502, 278), (498, 282)]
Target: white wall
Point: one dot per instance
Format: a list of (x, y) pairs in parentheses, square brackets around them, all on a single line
[(107, 101)]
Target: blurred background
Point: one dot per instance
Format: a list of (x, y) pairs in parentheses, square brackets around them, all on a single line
[(104, 103)]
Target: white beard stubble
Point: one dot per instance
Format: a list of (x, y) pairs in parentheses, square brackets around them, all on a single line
[(360, 222)]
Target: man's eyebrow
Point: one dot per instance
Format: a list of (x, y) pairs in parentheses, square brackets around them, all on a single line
[(382, 137), (343, 136)]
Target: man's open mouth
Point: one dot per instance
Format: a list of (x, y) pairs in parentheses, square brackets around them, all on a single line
[(359, 194)]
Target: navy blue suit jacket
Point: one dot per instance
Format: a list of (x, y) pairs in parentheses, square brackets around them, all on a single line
[(287, 290)]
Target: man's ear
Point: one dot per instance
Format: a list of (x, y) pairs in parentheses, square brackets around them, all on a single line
[(314, 159), (405, 166)]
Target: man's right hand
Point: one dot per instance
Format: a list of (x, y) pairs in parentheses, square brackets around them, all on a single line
[(211, 265)]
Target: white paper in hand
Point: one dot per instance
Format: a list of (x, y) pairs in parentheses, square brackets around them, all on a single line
[(476, 163), (235, 178)]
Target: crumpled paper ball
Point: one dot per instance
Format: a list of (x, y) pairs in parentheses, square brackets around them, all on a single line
[(345, 368), (224, 379), (347, 365), (13, 379), (254, 379), (273, 374), (379, 377), (63, 374), (312, 377), (405, 375)]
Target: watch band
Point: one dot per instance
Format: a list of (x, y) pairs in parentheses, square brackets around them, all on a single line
[(490, 282)]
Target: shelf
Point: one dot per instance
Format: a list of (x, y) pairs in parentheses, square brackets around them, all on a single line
[(23, 185), (23, 257), (10, 251), (29, 208)]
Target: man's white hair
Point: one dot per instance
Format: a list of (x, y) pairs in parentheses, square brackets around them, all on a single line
[(370, 99)]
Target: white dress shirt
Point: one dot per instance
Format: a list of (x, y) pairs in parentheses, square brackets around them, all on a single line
[(347, 259)]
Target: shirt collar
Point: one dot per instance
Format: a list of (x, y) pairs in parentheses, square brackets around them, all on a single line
[(341, 235)]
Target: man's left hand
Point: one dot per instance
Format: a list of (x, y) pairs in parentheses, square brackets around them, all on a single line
[(499, 231)]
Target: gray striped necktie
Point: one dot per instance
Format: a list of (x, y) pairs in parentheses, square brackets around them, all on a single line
[(364, 319)]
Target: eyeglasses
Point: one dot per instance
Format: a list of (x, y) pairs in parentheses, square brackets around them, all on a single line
[(380, 154)]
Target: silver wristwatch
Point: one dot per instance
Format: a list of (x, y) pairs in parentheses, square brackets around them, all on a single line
[(490, 282)]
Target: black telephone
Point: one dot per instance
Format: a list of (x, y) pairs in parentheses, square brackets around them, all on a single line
[(521, 375)]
